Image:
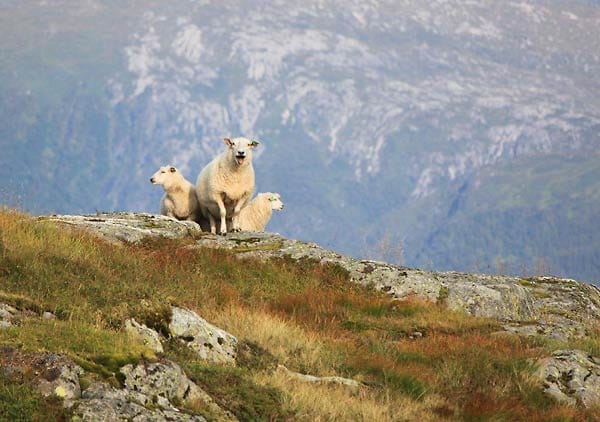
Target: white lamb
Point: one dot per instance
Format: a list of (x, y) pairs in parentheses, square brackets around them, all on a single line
[(226, 184), (179, 200), (258, 212)]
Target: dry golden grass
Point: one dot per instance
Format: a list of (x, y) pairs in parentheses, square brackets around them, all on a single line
[(282, 338), (310, 402)]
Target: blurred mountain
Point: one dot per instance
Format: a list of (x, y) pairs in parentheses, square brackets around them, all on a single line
[(444, 134)]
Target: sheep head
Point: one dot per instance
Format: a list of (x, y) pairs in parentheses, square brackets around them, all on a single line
[(275, 200), (240, 150), (165, 176)]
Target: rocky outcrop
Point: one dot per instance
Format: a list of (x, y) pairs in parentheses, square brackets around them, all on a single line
[(549, 306), (102, 403), (129, 227), (209, 342), (151, 392), (571, 376), (160, 384)]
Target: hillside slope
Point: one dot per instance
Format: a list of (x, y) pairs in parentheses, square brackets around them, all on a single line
[(410, 119), (379, 342)]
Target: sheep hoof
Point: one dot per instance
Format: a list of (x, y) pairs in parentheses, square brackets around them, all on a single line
[(222, 233), (236, 230)]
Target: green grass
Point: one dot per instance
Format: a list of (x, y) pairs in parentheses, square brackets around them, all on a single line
[(299, 313)]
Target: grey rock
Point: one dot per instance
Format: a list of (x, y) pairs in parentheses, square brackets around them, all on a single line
[(152, 392), (144, 335), (161, 384), (48, 315), (61, 379), (129, 227), (8, 315), (333, 380), (100, 402), (571, 376), (209, 342)]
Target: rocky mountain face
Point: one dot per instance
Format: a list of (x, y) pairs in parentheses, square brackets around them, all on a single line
[(467, 133)]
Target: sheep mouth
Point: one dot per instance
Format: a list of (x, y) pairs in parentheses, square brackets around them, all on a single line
[(240, 159)]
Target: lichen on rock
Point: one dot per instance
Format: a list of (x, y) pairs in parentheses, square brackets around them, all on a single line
[(571, 376), (144, 335), (208, 341)]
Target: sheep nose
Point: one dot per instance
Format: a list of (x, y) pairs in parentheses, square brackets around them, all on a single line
[(152, 179), (241, 153)]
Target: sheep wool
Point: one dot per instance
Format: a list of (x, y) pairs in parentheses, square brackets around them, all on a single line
[(256, 215), (225, 185), (179, 200)]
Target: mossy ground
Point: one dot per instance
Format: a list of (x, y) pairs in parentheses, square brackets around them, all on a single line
[(301, 314)]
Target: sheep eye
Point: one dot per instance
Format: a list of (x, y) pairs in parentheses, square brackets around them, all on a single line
[(173, 169), (163, 171)]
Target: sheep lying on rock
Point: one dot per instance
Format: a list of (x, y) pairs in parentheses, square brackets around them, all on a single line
[(256, 215), (226, 184), (179, 200)]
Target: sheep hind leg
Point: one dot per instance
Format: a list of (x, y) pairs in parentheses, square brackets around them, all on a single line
[(213, 224)]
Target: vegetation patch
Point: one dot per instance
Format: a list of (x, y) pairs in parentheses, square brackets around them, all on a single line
[(234, 390), (20, 401), (303, 314)]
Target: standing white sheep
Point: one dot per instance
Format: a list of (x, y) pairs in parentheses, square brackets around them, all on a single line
[(226, 184), (179, 200), (258, 212)]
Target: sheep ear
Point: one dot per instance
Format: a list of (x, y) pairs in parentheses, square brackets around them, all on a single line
[(228, 142), (254, 144)]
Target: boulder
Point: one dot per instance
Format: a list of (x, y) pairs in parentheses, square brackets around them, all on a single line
[(102, 403), (160, 384), (571, 376), (209, 342), (144, 335)]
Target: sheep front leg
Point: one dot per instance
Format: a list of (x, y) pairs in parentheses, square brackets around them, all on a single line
[(223, 214)]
